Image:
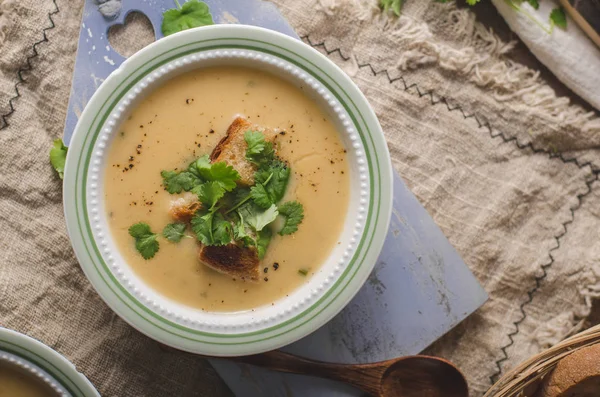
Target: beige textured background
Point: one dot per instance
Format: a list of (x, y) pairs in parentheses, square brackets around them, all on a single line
[(461, 118)]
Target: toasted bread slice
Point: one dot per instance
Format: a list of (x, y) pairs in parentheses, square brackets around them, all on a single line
[(183, 208), (232, 148), (233, 260)]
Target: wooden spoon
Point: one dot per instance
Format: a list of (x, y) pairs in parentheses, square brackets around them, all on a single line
[(410, 376)]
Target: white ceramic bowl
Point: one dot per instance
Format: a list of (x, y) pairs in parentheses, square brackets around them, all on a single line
[(42, 362), (304, 310)]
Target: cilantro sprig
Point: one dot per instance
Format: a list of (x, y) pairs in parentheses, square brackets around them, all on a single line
[(174, 232), (58, 157), (293, 212), (145, 241), (191, 14), (230, 213)]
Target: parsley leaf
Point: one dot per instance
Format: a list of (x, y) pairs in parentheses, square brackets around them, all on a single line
[(175, 182), (219, 172), (260, 196), (534, 3), (558, 18), (209, 193), (259, 151), (211, 228), (256, 218), (275, 179), (394, 5), (145, 240), (139, 230), (221, 230), (225, 175), (192, 14), (58, 157), (294, 214), (256, 143), (174, 232), (262, 242), (202, 227), (240, 234)]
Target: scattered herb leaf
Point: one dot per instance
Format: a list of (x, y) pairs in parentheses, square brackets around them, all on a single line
[(221, 230), (534, 3), (176, 182), (394, 5), (275, 178), (260, 196), (472, 2), (209, 193), (58, 157), (256, 218), (202, 227), (259, 151), (174, 232), (192, 14), (219, 172), (558, 18), (262, 242), (303, 272), (240, 234), (293, 212), (145, 240)]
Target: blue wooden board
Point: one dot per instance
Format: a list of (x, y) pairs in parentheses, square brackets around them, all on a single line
[(419, 290)]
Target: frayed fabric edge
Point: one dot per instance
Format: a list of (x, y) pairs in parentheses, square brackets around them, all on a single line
[(508, 80)]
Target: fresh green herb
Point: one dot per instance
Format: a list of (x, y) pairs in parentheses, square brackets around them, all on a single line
[(394, 5), (262, 242), (219, 172), (209, 193), (174, 232), (211, 228), (145, 241), (229, 212), (58, 157), (202, 227), (472, 2), (558, 18), (240, 233), (274, 178), (221, 230), (176, 182), (260, 196), (259, 151), (256, 218), (303, 272), (293, 212), (534, 3), (192, 14)]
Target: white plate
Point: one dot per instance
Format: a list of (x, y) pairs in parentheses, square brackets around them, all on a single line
[(44, 363), (339, 278)]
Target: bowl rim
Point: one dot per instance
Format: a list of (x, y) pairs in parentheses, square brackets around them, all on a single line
[(150, 321), (38, 355)]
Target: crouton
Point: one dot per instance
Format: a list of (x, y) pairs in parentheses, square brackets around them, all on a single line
[(183, 208), (232, 148), (232, 260)]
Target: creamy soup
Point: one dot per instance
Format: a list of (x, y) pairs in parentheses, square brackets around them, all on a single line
[(15, 382), (184, 119)]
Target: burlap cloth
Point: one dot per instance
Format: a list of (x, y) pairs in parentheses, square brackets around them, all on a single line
[(505, 168)]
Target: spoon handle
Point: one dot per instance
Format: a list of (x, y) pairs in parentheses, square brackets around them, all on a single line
[(366, 377)]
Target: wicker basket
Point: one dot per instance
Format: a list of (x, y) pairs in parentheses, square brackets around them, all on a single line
[(525, 378)]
